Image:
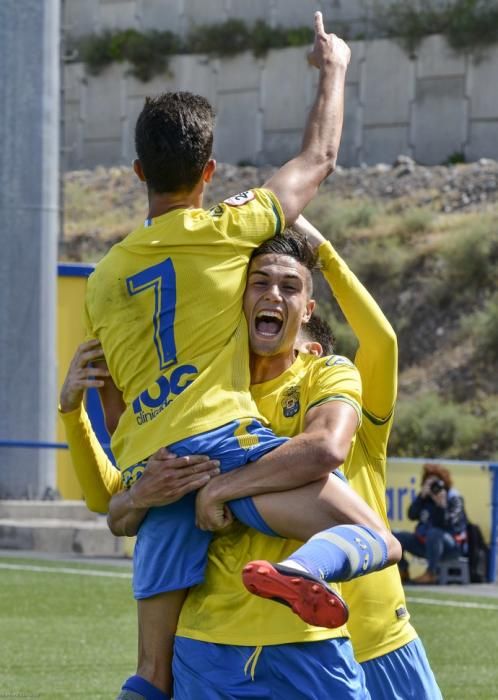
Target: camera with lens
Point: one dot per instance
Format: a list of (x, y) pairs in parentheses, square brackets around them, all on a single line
[(437, 486)]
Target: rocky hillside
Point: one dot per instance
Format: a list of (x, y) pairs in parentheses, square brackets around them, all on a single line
[(424, 241)]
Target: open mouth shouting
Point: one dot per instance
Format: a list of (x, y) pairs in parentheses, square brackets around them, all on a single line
[(268, 323)]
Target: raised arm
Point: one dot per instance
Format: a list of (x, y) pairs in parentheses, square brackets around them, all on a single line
[(377, 355), (296, 183)]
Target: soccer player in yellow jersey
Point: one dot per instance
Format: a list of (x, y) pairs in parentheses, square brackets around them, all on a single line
[(384, 641), (166, 304), (291, 670)]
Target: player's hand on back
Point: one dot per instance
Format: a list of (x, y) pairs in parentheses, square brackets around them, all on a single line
[(167, 478), (82, 376), (328, 49)]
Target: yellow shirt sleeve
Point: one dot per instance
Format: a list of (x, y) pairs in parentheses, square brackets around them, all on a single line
[(377, 356), (98, 477), (249, 218)]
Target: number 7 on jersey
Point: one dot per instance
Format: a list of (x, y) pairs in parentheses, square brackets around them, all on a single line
[(162, 279)]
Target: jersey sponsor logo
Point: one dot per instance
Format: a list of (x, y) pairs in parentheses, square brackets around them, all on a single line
[(290, 402), (337, 360), (151, 402), (239, 199)]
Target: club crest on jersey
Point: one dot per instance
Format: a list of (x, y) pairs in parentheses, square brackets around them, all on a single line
[(239, 199), (290, 402)]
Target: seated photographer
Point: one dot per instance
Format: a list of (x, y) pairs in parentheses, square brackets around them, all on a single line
[(441, 532)]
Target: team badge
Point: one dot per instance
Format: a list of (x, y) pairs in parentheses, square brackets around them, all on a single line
[(239, 199), (290, 402)]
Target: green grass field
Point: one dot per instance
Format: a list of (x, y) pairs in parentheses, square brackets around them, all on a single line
[(66, 635)]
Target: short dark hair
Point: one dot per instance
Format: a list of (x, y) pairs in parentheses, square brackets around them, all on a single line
[(294, 245), (174, 140), (318, 330)]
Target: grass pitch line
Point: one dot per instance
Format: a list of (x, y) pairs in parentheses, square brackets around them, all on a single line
[(125, 575), (64, 570), (452, 603)]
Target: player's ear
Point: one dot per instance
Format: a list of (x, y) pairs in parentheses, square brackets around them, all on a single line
[(209, 170), (312, 347), (137, 167), (310, 307)]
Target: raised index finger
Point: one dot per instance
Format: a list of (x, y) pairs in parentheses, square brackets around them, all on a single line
[(319, 28)]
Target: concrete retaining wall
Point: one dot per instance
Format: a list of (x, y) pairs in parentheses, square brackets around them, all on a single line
[(429, 107), (88, 16)]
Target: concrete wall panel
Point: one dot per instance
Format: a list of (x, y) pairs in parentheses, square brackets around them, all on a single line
[(102, 104), (436, 58), (202, 12), (281, 146), (484, 86), (483, 140), (285, 77), (161, 14), (237, 127), (250, 11), (82, 17), (382, 144), (241, 72), (389, 79), (118, 14), (295, 14), (439, 119), (351, 132)]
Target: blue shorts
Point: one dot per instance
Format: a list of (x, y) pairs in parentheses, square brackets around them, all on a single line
[(403, 674), (305, 671), (170, 552)]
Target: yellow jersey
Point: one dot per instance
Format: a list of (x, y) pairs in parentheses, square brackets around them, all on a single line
[(220, 610), (378, 617), (166, 304)]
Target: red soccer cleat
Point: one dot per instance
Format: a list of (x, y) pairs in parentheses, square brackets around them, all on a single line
[(309, 597)]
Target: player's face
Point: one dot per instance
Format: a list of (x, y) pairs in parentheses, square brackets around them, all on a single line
[(276, 302)]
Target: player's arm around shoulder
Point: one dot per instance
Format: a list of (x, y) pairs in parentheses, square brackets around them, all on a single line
[(334, 409)]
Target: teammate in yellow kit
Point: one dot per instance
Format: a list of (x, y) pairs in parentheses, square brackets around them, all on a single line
[(178, 382)]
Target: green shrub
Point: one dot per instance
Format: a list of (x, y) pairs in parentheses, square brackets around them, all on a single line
[(483, 327), (414, 220), (467, 24), (469, 256), (149, 52), (426, 426), (380, 259)]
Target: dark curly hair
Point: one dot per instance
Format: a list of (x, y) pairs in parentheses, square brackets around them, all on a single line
[(318, 330), (174, 140)]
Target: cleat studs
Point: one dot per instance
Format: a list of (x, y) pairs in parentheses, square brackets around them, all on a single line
[(296, 581), (262, 570), (248, 568), (315, 588)]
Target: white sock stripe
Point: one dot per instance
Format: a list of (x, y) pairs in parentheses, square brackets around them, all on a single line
[(378, 552), (347, 547)]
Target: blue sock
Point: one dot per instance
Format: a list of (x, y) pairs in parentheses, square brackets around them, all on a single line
[(142, 687), (342, 553)]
